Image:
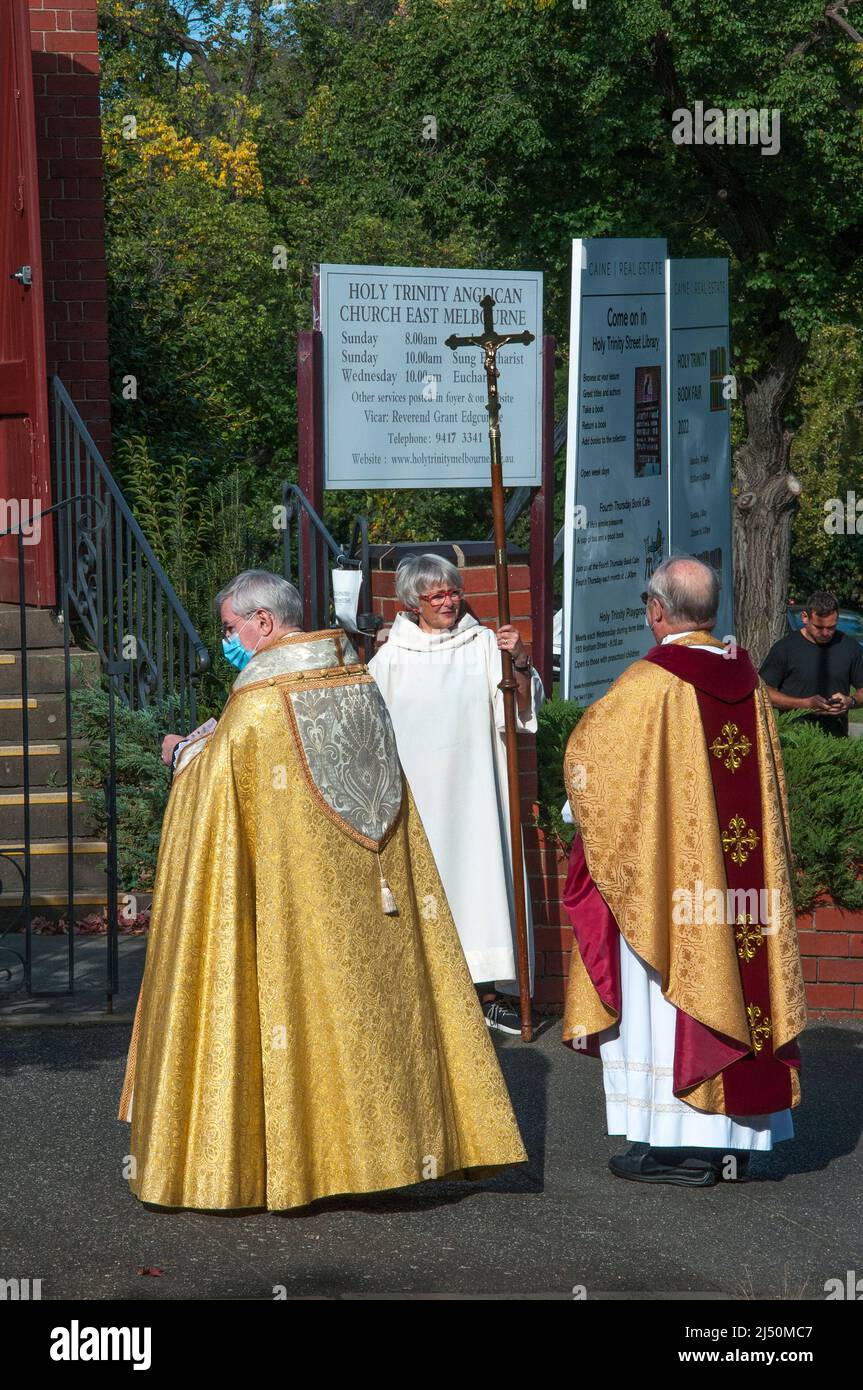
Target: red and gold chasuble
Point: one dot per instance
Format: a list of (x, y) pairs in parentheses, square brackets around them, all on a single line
[(676, 784)]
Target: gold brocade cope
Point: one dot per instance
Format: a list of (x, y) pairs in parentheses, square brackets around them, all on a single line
[(642, 798), (293, 1041)]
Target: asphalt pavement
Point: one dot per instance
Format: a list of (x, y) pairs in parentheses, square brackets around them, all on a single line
[(558, 1227)]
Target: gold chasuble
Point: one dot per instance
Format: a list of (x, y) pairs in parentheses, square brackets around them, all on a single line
[(306, 1024), (676, 785)]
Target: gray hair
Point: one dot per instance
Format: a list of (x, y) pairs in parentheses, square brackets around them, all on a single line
[(254, 589), (688, 590), (417, 573)]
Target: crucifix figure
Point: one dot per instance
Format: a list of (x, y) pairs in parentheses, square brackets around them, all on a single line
[(490, 342)]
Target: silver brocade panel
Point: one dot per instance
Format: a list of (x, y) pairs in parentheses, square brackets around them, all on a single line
[(350, 746)]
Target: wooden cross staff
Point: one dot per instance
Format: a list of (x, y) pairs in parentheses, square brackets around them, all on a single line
[(490, 341)]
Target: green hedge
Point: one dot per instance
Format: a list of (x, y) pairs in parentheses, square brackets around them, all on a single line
[(825, 799), (825, 794), (556, 721)]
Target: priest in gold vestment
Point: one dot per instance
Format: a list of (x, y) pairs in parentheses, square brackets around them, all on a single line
[(306, 1025), (685, 977)]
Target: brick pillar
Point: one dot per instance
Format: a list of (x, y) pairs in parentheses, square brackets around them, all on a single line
[(69, 145)]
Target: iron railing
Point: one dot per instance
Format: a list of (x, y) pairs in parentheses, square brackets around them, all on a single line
[(308, 551), (117, 590)]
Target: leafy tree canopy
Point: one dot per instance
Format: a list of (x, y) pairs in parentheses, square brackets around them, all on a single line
[(268, 137)]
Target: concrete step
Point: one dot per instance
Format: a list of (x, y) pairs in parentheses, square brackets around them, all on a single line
[(48, 860), (45, 671), (47, 814), (47, 761), (43, 628), (47, 717)]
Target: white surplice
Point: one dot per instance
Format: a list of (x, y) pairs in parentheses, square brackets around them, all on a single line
[(638, 1066), (441, 692)]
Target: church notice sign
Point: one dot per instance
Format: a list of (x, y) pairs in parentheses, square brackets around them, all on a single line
[(616, 475), (699, 389), (403, 410)]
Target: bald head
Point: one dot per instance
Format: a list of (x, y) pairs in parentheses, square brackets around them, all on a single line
[(687, 591)]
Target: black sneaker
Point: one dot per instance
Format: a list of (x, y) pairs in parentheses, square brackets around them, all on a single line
[(503, 1016)]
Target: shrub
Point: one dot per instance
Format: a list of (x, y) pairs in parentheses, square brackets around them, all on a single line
[(556, 721), (825, 796), (143, 781)]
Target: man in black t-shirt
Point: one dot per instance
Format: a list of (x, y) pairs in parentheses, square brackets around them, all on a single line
[(817, 669)]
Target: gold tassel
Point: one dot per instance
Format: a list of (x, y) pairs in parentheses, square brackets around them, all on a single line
[(388, 902)]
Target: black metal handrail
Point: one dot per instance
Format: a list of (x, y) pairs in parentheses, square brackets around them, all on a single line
[(316, 549), (112, 587), (116, 587)]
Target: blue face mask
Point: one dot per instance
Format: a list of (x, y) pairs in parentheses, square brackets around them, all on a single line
[(235, 652)]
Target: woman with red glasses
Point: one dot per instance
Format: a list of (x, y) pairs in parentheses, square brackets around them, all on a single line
[(439, 672)]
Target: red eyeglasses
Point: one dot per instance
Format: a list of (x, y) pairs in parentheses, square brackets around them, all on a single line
[(439, 598)]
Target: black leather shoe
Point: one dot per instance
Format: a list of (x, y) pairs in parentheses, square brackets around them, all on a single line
[(648, 1166), (716, 1159)]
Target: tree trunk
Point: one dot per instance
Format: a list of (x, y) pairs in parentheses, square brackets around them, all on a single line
[(765, 499)]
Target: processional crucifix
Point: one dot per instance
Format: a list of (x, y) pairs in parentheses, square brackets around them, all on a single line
[(490, 341)]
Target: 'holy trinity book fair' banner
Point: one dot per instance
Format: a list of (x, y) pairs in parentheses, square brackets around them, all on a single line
[(403, 410), (700, 387), (648, 467)]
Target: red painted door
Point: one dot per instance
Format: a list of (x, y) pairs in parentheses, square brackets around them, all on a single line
[(25, 469)]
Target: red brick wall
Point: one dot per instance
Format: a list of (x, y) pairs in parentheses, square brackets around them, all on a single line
[(69, 145), (831, 943)]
